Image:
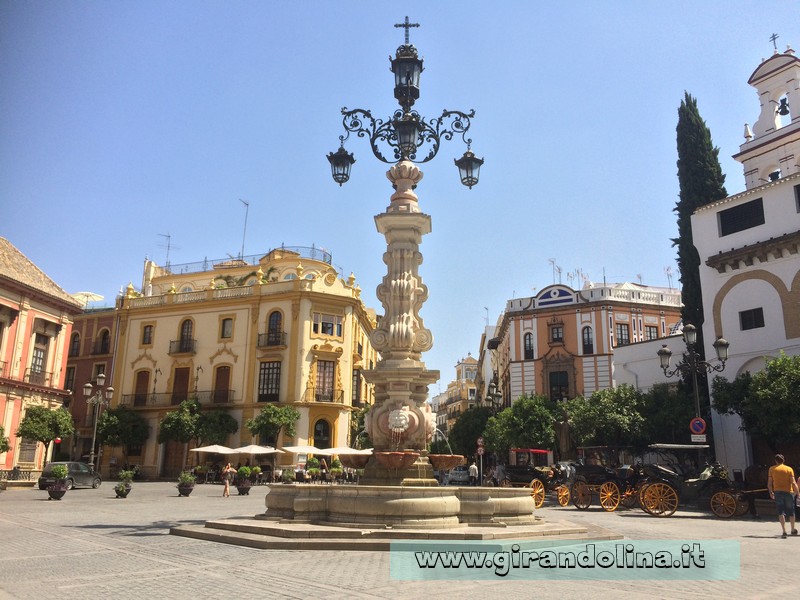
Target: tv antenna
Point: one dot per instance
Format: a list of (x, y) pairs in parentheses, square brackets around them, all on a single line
[(246, 212), (168, 246), (668, 271)]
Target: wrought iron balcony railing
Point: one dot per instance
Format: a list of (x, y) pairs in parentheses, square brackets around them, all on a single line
[(271, 338), (182, 347), (175, 398), (316, 394), (38, 377)]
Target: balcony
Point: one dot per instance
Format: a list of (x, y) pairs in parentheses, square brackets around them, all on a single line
[(38, 377), (183, 347), (3, 368), (315, 394), (271, 338), (101, 347), (205, 397)]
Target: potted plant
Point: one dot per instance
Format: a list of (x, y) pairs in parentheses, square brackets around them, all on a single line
[(186, 481), (255, 472), (59, 487), (287, 476), (123, 488), (243, 483), (314, 472)]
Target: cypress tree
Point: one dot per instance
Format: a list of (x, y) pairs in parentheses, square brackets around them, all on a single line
[(701, 182)]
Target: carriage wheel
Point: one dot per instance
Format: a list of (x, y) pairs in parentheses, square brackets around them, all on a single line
[(723, 504), (742, 505), (640, 496), (660, 499), (537, 493), (609, 496), (630, 498), (505, 483), (581, 495), (562, 495)]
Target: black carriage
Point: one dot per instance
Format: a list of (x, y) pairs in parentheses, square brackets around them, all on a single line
[(612, 486), (529, 467)]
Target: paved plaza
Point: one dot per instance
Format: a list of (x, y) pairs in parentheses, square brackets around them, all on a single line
[(92, 545)]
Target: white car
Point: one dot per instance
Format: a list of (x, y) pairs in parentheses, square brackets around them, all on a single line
[(459, 476)]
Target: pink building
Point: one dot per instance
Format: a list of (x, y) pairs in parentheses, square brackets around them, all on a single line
[(35, 325)]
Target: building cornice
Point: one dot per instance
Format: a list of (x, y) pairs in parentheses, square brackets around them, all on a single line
[(736, 258)]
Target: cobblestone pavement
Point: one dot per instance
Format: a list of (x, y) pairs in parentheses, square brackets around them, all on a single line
[(91, 544)]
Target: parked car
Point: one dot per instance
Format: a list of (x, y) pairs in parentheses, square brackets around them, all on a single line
[(459, 476), (78, 474)]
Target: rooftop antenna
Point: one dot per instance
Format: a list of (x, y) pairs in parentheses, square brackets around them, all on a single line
[(552, 262), (639, 277), (246, 212), (168, 246), (486, 308), (668, 272)]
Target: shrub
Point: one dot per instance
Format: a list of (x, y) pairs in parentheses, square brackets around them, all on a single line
[(186, 478), (60, 472), (126, 476)]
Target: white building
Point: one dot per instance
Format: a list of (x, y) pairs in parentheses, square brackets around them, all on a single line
[(749, 242)]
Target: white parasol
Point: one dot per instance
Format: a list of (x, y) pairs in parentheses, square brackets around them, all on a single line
[(87, 297), (255, 449), (215, 449), (306, 450)]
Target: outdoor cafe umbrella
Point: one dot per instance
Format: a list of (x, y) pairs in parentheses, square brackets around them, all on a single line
[(214, 449), (256, 449), (306, 450)]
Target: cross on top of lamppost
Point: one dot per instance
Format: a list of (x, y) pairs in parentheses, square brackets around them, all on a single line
[(406, 25), (406, 132)]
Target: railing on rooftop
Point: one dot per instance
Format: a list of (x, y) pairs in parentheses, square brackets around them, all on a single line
[(312, 252), (174, 398)]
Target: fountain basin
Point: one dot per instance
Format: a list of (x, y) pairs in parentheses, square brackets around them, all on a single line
[(354, 461), (396, 461), (399, 506), (445, 462)]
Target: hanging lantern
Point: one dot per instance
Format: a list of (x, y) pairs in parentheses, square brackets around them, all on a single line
[(469, 168), (341, 161)]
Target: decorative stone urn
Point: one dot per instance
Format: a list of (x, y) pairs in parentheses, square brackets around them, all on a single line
[(396, 461), (445, 462)]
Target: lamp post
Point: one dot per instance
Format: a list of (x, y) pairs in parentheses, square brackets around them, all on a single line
[(98, 399), (495, 397), (406, 136), (691, 363)]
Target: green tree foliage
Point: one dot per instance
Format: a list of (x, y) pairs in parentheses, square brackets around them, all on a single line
[(701, 182), (215, 426), (272, 420), (767, 402), (527, 423), (181, 425), (611, 417), (358, 435), (5, 445), (668, 410), (467, 429), (44, 425), (438, 447), (122, 427)]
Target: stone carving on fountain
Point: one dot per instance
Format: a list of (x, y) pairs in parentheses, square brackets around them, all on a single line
[(400, 378)]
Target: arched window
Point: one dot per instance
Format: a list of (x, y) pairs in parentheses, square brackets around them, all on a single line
[(528, 341), (75, 344), (274, 326), (187, 328), (588, 341), (104, 342), (322, 434)]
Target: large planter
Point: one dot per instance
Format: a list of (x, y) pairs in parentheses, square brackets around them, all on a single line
[(445, 462), (56, 493), (184, 489), (354, 461), (244, 488), (122, 490), (396, 461)]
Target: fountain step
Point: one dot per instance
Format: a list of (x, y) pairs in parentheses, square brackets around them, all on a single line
[(264, 534)]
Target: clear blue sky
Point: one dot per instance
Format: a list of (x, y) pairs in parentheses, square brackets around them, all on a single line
[(121, 121)]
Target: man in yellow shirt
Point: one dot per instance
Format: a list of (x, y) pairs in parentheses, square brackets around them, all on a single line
[(781, 485)]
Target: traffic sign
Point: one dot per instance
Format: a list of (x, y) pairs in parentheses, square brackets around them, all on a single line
[(480, 441), (699, 438), (697, 426), (480, 450)]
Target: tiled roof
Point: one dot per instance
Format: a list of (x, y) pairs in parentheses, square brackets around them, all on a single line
[(18, 267)]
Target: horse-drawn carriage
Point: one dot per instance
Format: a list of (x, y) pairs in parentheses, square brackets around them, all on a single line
[(529, 467)]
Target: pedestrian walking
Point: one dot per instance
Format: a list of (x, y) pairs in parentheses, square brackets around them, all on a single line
[(227, 476), (473, 474), (782, 485)]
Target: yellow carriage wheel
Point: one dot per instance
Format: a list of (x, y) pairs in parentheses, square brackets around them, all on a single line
[(660, 499), (609, 496), (723, 504), (537, 493), (581, 495), (562, 495), (505, 483)]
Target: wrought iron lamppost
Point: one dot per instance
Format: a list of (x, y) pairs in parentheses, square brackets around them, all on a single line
[(691, 363), (406, 135), (99, 399), (495, 397)]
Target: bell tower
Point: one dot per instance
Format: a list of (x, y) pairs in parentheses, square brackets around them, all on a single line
[(771, 149)]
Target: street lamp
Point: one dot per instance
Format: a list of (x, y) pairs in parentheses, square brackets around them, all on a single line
[(494, 396), (406, 134), (691, 363), (99, 399)]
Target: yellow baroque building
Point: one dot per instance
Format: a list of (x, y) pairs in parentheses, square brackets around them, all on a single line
[(238, 334)]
